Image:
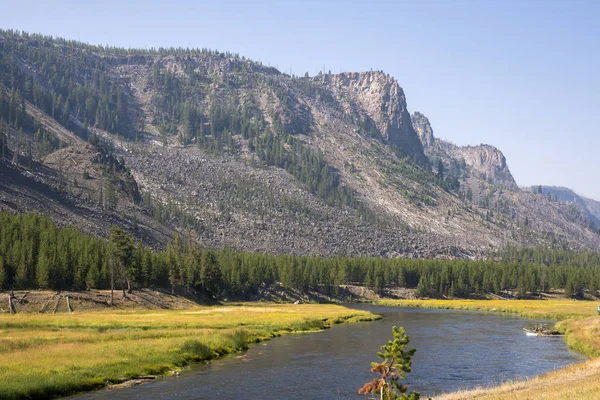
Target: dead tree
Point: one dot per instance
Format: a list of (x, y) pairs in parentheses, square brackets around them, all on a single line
[(69, 304), (112, 278), (11, 305), (56, 305), (23, 297)]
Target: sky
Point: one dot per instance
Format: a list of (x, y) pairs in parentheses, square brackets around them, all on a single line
[(523, 76)]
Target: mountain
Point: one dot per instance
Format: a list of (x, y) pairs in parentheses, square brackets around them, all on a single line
[(232, 153), (587, 210), (485, 162)]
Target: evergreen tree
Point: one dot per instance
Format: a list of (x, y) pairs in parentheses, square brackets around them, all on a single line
[(397, 362), (440, 170), (3, 274), (92, 278), (43, 271), (122, 244)]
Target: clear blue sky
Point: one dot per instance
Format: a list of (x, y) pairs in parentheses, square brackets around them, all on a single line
[(521, 75)]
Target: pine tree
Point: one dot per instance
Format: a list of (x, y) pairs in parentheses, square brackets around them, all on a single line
[(397, 362), (43, 271), (123, 247), (210, 273), (3, 275), (440, 170), (92, 278), (22, 275), (110, 195), (172, 269), (423, 286)]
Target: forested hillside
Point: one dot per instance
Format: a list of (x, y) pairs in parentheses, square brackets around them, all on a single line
[(230, 153), (36, 254)]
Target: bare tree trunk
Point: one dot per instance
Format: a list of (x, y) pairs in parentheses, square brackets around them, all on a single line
[(112, 279), (11, 306), (23, 297), (56, 305), (123, 282), (69, 305)]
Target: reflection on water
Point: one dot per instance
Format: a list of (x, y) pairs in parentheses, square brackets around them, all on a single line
[(455, 350)]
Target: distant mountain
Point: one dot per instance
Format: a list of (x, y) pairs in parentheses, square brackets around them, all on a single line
[(235, 154), (588, 208), (593, 207)]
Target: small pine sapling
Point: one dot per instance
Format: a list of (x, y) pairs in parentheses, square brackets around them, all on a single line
[(397, 362)]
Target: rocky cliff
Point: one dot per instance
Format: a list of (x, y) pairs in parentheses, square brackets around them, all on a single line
[(422, 127), (379, 103), (484, 161), (232, 153)]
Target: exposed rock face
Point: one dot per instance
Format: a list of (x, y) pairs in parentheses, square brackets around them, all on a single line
[(423, 128), (380, 100), (243, 175), (486, 161)]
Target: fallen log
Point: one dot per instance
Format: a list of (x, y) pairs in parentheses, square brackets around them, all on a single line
[(45, 306), (56, 306), (25, 295)]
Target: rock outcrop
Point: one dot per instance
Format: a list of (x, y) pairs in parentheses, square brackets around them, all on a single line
[(423, 128), (380, 100), (486, 161)]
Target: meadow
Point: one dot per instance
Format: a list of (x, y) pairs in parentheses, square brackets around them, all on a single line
[(50, 355), (577, 319)]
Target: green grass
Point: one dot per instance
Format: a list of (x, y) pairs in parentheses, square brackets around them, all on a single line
[(43, 356)]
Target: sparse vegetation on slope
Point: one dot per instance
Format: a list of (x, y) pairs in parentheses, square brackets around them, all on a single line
[(247, 157)]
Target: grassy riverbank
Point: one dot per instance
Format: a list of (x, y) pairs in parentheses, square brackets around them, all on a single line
[(579, 321), (44, 356), (556, 309)]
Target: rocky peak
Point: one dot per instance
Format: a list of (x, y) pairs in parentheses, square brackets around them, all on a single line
[(423, 128), (380, 101), (482, 156), (487, 161)]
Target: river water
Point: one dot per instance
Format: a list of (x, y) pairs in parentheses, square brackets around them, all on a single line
[(455, 350)]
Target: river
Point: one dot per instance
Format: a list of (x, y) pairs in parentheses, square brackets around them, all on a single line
[(455, 350)]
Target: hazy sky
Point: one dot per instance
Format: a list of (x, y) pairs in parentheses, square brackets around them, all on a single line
[(521, 75)]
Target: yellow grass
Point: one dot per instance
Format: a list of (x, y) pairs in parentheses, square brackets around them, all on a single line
[(557, 309), (43, 355), (576, 382), (579, 321)]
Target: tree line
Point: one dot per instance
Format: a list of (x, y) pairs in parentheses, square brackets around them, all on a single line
[(37, 254), (69, 84)]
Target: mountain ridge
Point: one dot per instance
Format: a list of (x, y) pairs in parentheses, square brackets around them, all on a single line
[(235, 154), (589, 208)]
